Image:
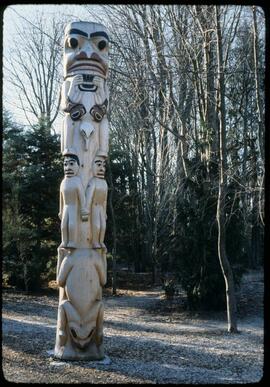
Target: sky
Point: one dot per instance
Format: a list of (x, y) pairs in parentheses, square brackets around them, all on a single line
[(23, 16)]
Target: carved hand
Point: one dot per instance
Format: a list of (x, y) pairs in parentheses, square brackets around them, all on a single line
[(74, 93), (100, 94), (98, 81), (60, 215)]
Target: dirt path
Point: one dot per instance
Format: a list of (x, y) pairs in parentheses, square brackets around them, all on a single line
[(141, 346)]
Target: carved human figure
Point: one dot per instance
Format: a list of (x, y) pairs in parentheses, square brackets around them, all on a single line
[(84, 91), (96, 202), (72, 202), (80, 320)]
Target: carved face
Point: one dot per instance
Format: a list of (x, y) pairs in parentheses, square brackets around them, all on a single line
[(71, 166), (86, 50), (99, 167), (82, 335)]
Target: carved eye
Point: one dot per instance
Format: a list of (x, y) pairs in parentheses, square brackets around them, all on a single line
[(73, 43), (74, 334), (91, 333), (102, 44)]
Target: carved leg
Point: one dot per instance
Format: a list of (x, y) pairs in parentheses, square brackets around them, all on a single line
[(95, 228), (72, 227), (60, 258), (62, 324), (64, 226), (99, 326), (102, 229)]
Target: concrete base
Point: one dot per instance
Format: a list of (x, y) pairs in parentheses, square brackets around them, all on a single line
[(93, 363)]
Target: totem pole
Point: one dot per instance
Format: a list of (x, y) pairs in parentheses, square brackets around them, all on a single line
[(82, 267)]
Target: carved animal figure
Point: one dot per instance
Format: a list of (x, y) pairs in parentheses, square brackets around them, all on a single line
[(82, 274)]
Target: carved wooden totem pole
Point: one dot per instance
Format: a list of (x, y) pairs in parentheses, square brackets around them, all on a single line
[(81, 268)]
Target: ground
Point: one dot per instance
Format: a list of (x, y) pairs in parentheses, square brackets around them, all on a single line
[(146, 340)]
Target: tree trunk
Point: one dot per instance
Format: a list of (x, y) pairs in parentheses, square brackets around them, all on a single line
[(25, 277), (222, 184), (225, 264), (257, 82)]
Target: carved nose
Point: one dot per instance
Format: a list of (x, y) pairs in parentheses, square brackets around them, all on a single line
[(88, 54), (86, 51), (96, 57), (82, 55)]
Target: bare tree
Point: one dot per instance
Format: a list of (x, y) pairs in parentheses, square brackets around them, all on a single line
[(257, 82), (33, 68), (222, 186)]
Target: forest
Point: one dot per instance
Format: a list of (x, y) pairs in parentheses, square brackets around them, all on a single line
[(186, 167)]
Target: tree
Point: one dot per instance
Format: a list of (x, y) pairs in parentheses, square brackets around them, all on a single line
[(222, 187), (31, 176), (32, 67)]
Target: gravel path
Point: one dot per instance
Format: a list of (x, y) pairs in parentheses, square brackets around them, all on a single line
[(141, 344)]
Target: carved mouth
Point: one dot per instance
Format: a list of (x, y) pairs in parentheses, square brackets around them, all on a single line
[(87, 87), (69, 173), (81, 342)]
